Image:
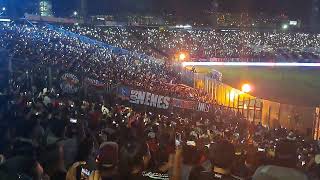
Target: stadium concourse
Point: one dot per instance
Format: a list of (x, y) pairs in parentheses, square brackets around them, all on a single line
[(81, 109)]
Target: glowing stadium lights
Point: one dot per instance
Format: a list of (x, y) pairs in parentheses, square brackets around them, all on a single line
[(75, 13), (232, 95), (257, 64), (3, 8), (5, 20), (184, 26), (285, 26), (246, 88), (182, 56), (293, 23)]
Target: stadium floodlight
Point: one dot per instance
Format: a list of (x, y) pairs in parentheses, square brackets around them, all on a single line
[(246, 88), (182, 56), (256, 64), (285, 26), (75, 13), (3, 8)]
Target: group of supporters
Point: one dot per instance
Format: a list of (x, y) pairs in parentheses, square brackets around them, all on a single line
[(41, 47), (205, 44), (51, 128)]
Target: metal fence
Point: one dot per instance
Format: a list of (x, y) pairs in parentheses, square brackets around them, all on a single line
[(270, 114)]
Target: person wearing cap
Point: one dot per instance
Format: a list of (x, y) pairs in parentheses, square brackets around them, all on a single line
[(222, 156), (107, 162)]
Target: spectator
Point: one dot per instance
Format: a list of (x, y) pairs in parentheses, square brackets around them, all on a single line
[(53, 162), (82, 168), (107, 162), (286, 154), (135, 158), (189, 160), (222, 156), (278, 173), (22, 168)]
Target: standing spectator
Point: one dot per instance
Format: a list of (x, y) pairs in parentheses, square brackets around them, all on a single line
[(222, 156), (82, 168), (286, 154), (107, 162), (53, 162), (278, 173)]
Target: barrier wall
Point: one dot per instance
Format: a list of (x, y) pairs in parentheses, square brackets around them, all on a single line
[(270, 114)]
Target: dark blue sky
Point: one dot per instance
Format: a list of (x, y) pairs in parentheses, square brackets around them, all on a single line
[(185, 7), (294, 8)]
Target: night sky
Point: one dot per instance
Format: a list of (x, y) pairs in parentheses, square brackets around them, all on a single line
[(293, 8)]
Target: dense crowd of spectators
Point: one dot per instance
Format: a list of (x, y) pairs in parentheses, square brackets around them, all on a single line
[(49, 133), (65, 54), (246, 45)]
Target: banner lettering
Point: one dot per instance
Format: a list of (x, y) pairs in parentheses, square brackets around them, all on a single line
[(140, 97)]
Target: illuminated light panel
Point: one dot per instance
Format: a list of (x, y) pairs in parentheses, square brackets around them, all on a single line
[(257, 64), (5, 20)]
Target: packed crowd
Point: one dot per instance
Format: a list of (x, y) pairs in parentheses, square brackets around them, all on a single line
[(68, 54), (52, 136), (49, 133), (206, 44), (247, 20)]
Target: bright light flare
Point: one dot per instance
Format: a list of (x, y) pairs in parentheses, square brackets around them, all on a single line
[(285, 26), (257, 64), (5, 20), (182, 56), (246, 88), (232, 95)]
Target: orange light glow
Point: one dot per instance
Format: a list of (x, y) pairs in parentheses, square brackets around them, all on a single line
[(182, 56)]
